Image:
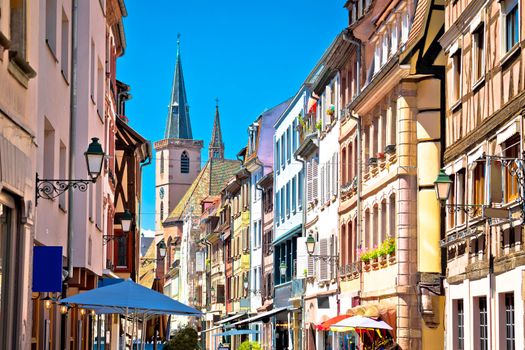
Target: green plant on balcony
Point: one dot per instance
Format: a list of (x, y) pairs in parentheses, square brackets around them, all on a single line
[(365, 257), (319, 125)]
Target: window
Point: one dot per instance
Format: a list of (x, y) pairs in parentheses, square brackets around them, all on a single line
[(479, 184), (456, 76), (510, 335), (289, 144), (512, 24), (278, 155), (460, 325), (184, 163), (343, 251), (392, 216), (100, 89), (62, 173), (404, 28), (64, 50), (162, 211), (161, 157), (288, 199), (300, 184), (283, 150), (51, 25), (343, 166), (460, 195), (478, 54), (392, 124), (294, 194), (18, 28), (511, 150), (92, 72), (49, 150), (483, 324), (122, 252), (277, 206), (294, 136)]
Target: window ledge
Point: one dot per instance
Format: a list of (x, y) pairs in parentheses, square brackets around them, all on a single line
[(478, 84), (20, 69), (510, 56), (456, 106)]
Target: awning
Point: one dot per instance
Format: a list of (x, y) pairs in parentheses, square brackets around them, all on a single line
[(211, 329), (325, 326), (359, 323), (130, 297), (234, 317), (259, 316), (236, 332), (292, 232)]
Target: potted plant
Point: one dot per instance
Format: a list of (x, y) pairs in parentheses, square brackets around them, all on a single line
[(330, 110), (372, 161), (390, 149), (380, 155), (365, 258), (391, 250), (383, 252), (319, 126), (374, 254)]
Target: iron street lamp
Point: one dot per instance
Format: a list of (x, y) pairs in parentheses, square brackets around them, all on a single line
[(256, 291), (442, 186), (310, 248), (52, 188), (126, 219), (162, 253), (283, 268)]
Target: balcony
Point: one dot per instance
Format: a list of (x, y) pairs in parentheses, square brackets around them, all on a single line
[(297, 288)]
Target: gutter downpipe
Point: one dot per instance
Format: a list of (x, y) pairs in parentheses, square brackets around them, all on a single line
[(72, 134), (303, 234), (354, 116)]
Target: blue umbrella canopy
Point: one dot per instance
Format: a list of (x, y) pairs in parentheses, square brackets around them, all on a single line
[(128, 296)]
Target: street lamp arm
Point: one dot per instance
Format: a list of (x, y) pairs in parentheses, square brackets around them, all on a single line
[(52, 188), (327, 258)]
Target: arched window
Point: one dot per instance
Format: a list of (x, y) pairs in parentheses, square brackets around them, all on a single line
[(161, 162), (184, 163), (162, 211)]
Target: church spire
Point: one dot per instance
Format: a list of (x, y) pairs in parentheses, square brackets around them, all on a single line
[(178, 124), (216, 147)]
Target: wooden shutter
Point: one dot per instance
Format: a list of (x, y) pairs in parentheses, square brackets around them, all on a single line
[(315, 178), (322, 184), (309, 182), (323, 265), (328, 175), (334, 173)]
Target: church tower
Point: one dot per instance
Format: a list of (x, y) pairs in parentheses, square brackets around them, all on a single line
[(178, 156), (216, 146)]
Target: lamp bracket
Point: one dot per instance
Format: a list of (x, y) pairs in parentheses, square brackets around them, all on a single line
[(472, 210), (119, 238), (52, 188), (144, 261), (327, 258)]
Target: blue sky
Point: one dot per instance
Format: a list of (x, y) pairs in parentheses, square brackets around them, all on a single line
[(252, 55)]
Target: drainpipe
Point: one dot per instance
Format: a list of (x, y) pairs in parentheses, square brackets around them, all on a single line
[(72, 133), (348, 37), (147, 161), (303, 233)]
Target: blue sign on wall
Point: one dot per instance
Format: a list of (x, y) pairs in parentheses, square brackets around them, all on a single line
[(47, 269)]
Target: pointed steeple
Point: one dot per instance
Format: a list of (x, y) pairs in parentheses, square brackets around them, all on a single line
[(178, 122), (216, 147)]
